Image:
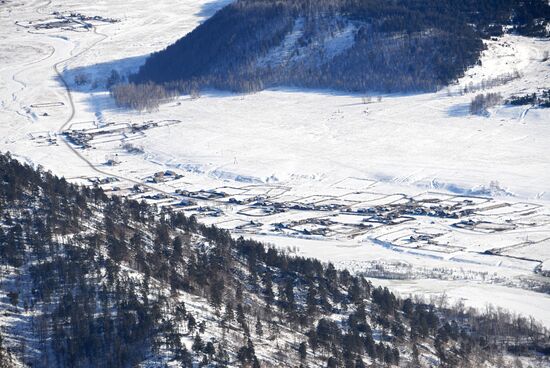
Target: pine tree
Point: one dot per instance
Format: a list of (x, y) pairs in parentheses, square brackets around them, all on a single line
[(198, 345), (302, 351), (259, 327)]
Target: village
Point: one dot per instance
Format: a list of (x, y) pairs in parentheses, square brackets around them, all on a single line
[(440, 224), (430, 223), (68, 22)]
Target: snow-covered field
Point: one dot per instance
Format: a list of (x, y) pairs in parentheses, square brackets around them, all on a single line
[(299, 169)]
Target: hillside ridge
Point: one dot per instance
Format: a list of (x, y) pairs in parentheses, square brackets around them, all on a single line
[(90, 280), (398, 46)]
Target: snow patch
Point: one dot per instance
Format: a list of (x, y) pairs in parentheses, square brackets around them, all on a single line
[(338, 36)]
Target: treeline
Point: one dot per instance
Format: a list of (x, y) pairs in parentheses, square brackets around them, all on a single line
[(104, 281), (397, 46), (541, 99), (481, 102), (147, 96), (490, 82)]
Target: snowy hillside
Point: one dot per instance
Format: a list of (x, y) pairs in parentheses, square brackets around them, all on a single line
[(95, 281), (400, 46), (339, 36)]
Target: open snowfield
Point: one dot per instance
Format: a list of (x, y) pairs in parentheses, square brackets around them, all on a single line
[(296, 168)]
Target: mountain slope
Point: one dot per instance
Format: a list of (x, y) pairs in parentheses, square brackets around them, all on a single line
[(345, 44), (95, 281)]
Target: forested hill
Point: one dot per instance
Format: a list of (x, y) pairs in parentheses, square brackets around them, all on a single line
[(355, 45), (89, 280)]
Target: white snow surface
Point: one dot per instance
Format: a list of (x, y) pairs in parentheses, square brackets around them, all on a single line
[(300, 142)]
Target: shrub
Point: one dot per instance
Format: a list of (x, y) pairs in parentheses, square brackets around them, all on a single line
[(482, 102)]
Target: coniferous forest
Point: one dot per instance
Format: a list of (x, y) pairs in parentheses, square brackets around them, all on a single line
[(91, 280), (397, 46)]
